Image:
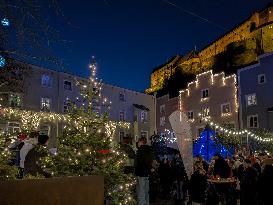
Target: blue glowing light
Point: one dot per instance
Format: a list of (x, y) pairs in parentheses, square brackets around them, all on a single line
[(2, 61), (207, 146), (5, 22)]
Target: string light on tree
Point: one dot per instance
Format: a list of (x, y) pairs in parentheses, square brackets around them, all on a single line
[(5, 22), (2, 61), (237, 133)]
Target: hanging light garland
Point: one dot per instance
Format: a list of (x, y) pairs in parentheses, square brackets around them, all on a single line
[(237, 133)]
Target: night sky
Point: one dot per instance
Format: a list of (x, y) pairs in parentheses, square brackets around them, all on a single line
[(131, 37)]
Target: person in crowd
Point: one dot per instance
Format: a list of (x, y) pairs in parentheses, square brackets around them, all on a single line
[(179, 178), (211, 167), (255, 162), (265, 182), (143, 166), (205, 164), (154, 182), (29, 142), (16, 148), (197, 184), (31, 165), (248, 184), (126, 147), (165, 177), (221, 168)]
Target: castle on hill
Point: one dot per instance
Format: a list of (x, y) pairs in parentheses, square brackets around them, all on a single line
[(238, 47)]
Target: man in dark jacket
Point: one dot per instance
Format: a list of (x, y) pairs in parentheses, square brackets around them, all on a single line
[(221, 167), (144, 159), (249, 184), (32, 159)]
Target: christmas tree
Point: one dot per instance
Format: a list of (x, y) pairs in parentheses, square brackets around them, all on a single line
[(8, 170), (86, 146)]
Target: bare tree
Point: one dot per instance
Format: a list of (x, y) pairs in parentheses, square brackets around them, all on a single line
[(30, 34)]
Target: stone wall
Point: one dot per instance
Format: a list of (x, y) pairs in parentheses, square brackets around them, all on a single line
[(55, 191)]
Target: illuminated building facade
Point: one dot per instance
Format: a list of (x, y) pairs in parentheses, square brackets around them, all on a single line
[(49, 91), (246, 41), (211, 96)]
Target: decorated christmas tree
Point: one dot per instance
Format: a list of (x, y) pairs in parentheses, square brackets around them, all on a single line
[(86, 146), (8, 170)]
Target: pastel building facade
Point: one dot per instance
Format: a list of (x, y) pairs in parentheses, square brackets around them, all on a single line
[(211, 96), (48, 91), (255, 93)]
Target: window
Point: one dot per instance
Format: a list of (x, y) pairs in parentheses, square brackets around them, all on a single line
[(121, 136), (252, 121), (122, 96), (205, 93), (251, 99), (144, 134), (121, 116), (46, 80), (261, 79), (190, 115), (162, 121), (225, 108), (45, 104), (205, 111), (13, 127), (14, 100), (45, 130), (66, 107), (162, 108), (67, 85), (143, 116)]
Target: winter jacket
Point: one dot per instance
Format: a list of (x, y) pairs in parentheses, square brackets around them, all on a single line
[(32, 165), (143, 162), (198, 183), (28, 145)]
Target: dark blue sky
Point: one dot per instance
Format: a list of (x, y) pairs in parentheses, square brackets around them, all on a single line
[(131, 37)]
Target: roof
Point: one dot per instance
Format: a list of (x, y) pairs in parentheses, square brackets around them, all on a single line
[(141, 107), (164, 64)]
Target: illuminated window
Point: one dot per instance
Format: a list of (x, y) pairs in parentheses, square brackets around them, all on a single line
[(225, 108), (121, 136), (143, 116), (13, 127), (205, 93), (67, 85), (251, 99), (66, 106), (261, 79), (14, 100), (144, 134), (252, 121), (45, 104), (190, 115), (205, 111), (46, 80), (162, 108), (162, 121)]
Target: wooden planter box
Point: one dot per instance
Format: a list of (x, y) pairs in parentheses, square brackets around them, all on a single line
[(54, 191)]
